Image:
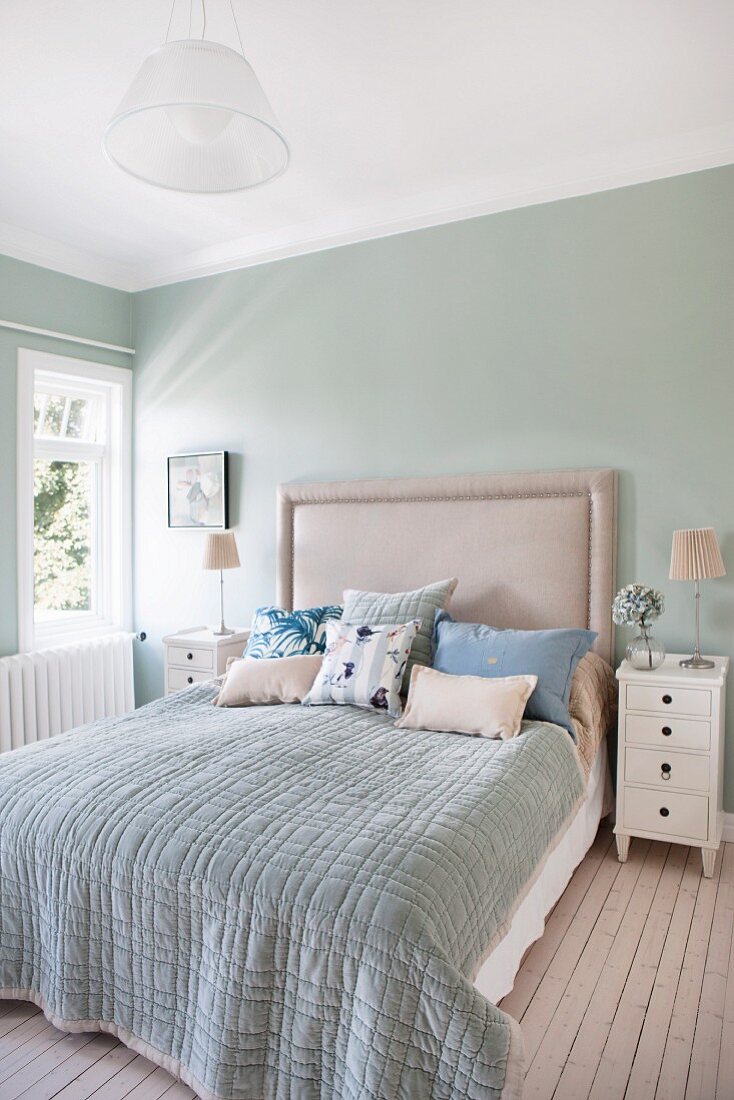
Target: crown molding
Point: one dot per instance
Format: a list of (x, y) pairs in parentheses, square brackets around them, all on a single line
[(33, 248), (640, 163), (643, 162)]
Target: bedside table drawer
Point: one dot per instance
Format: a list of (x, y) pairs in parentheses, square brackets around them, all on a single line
[(684, 815), (677, 733), (665, 770), (185, 657), (180, 678), (673, 699)]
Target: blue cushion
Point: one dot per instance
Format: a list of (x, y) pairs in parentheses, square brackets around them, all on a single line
[(279, 633), (472, 649)]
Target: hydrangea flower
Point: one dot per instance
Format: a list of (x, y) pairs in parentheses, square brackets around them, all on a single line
[(637, 605)]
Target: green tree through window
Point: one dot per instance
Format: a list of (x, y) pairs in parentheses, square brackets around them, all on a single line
[(63, 538)]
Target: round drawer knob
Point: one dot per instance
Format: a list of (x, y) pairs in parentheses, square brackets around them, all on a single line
[(666, 731), (189, 656), (664, 811), (665, 771), (667, 699), (189, 679)]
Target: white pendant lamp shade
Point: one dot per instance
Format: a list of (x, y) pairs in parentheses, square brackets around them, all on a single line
[(196, 119)]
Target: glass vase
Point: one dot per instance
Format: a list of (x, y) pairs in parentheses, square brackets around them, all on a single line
[(645, 651)]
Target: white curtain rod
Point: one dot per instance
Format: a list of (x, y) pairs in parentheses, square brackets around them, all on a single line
[(67, 336)]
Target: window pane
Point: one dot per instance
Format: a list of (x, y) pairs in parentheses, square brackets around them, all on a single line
[(49, 413), (39, 412), (63, 416), (62, 549), (78, 410)]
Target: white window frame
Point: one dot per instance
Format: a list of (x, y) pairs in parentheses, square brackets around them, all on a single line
[(112, 541)]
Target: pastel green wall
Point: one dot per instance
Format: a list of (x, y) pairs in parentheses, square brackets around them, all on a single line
[(33, 295), (597, 331)]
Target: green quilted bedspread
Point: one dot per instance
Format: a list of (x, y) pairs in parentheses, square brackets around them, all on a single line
[(277, 902)]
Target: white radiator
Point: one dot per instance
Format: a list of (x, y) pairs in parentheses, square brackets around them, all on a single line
[(53, 690)]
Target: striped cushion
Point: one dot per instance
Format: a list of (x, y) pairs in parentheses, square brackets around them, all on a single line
[(363, 666), (383, 608)]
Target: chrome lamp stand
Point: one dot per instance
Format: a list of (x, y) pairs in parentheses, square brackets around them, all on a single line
[(222, 628), (697, 661)]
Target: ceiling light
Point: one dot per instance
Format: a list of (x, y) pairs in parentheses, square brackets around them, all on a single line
[(196, 119)]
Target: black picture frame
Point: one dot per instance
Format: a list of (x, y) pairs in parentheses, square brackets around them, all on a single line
[(196, 508)]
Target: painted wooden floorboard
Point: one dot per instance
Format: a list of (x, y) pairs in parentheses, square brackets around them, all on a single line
[(126, 1079), (18, 1014), (707, 1039), (543, 951), (539, 1014), (677, 1056), (656, 1017), (601, 1054), (28, 1047), (617, 1037), (42, 1078), (610, 935), (647, 1012), (629, 995), (725, 1069)]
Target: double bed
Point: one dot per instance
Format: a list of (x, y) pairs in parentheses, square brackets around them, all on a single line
[(306, 902)]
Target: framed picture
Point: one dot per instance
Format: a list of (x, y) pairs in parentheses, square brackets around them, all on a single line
[(197, 490)]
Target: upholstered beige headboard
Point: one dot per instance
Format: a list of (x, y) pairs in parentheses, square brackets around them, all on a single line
[(531, 550)]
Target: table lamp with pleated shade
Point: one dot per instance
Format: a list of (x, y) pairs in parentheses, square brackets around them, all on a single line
[(220, 552), (696, 557)]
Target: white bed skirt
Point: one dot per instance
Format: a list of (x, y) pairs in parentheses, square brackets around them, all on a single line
[(497, 974)]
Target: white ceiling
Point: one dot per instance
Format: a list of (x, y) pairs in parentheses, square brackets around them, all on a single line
[(399, 114)]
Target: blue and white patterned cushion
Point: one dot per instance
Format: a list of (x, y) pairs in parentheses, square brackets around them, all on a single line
[(363, 666), (276, 632), (383, 608)]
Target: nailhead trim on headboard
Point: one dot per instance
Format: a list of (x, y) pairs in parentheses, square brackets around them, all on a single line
[(597, 544), (445, 499)]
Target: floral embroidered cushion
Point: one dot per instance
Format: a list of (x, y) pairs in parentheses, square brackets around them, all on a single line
[(364, 666), (384, 608), (276, 632)]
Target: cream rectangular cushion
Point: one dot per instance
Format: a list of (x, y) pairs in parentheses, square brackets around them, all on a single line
[(250, 682), (466, 704)]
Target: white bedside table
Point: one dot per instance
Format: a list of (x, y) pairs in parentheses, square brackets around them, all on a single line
[(670, 756), (198, 654)]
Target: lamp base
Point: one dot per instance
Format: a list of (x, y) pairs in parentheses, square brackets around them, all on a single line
[(223, 630), (697, 661)]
